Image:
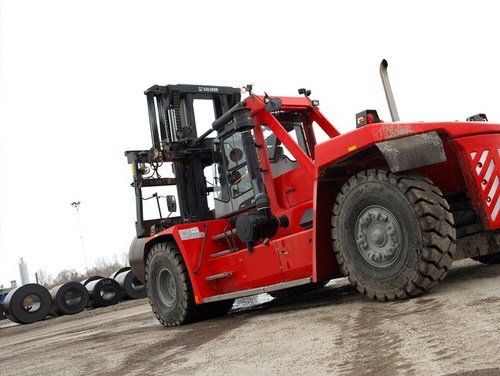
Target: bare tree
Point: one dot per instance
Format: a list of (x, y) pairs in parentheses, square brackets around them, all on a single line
[(43, 278), (67, 276), (123, 259), (104, 267)]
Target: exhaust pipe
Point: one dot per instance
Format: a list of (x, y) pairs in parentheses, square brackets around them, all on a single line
[(388, 91)]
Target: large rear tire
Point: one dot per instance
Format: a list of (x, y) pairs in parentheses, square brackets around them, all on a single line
[(393, 234), (169, 288)]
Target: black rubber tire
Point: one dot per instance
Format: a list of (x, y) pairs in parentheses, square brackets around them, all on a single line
[(491, 259), (418, 225), (119, 271), (91, 279), (169, 288), (14, 304), (69, 298), (103, 292), (130, 286)]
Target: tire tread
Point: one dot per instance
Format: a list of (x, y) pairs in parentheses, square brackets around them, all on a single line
[(436, 226), (189, 309)]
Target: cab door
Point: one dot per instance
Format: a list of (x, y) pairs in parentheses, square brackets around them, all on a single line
[(232, 185)]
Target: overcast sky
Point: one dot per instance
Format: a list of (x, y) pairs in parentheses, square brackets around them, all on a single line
[(72, 77)]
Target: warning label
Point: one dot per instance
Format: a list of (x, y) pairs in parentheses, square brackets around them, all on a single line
[(191, 233)]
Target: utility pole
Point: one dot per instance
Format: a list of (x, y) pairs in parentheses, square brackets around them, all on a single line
[(76, 205)]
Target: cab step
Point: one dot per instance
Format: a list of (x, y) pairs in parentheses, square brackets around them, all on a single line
[(218, 276), (224, 235), (223, 253)]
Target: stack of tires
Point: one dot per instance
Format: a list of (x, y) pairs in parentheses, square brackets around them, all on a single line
[(102, 291), (130, 286), (27, 304), (33, 302), (69, 298)]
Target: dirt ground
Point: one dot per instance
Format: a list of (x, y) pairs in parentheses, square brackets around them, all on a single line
[(452, 330)]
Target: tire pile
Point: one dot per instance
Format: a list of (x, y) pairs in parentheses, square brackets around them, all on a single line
[(33, 302)]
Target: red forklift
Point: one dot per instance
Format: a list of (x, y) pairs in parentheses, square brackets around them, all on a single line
[(264, 207)]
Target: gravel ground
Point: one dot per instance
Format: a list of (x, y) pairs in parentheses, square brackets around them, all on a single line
[(452, 330)]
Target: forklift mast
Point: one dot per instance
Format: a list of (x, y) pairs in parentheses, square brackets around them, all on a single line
[(175, 139)]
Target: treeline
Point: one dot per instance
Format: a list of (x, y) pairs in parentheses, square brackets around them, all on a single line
[(103, 267)]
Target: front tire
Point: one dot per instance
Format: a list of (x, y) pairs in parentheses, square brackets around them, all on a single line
[(169, 288), (392, 234)]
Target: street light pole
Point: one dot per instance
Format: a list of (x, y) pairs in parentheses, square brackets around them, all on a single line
[(76, 205)]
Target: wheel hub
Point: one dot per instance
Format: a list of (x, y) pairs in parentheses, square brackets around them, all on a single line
[(378, 236), (165, 285)]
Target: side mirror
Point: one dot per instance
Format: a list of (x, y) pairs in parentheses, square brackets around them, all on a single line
[(273, 105), (171, 203), (235, 155), (234, 177)]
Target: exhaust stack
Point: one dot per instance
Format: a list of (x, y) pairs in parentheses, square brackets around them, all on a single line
[(388, 91)]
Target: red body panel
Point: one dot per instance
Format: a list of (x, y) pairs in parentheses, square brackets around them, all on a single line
[(295, 252), (293, 188), (281, 260), (342, 146)]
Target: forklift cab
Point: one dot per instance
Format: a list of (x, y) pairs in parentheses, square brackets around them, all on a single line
[(232, 185), (233, 188)]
